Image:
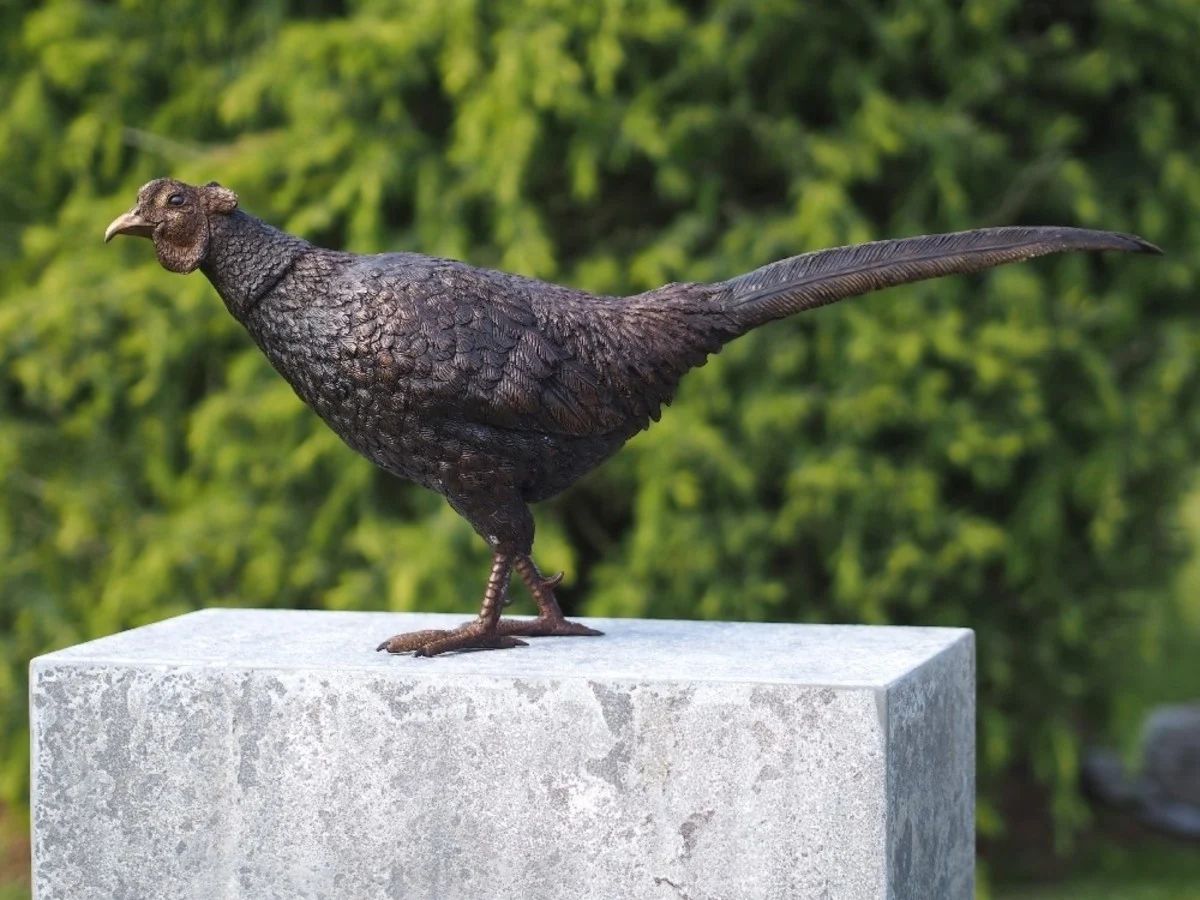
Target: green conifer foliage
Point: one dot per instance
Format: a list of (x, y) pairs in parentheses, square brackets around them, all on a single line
[(1003, 451)]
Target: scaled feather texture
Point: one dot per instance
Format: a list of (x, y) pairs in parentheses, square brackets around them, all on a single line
[(497, 390)]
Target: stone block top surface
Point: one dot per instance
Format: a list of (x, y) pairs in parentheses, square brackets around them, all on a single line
[(646, 650), (255, 754)]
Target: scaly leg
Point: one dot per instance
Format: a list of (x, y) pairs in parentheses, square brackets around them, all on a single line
[(550, 621), (488, 631), (481, 634)]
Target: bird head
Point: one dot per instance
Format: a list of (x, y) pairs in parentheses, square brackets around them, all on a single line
[(178, 218)]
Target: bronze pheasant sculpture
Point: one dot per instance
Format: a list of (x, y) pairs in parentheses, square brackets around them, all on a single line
[(496, 390)]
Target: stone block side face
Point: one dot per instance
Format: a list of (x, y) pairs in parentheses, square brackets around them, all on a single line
[(931, 778), (211, 783), (131, 783)]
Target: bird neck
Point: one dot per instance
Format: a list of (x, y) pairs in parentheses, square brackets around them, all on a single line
[(247, 258)]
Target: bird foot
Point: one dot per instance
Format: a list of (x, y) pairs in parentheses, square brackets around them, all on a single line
[(475, 636), (545, 626), (471, 636), (489, 631)]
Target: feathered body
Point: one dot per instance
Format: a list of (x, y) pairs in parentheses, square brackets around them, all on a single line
[(448, 374), (497, 390)]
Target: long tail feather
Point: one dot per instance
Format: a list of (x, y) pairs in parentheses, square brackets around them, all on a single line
[(826, 276)]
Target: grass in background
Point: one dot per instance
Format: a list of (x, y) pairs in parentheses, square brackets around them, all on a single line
[(14, 857), (1118, 867)]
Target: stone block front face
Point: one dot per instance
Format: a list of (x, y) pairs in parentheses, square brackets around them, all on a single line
[(260, 754)]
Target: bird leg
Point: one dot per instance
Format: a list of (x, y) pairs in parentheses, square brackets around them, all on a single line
[(480, 634), (550, 620), (488, 631)]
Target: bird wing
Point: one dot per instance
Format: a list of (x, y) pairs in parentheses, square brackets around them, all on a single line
[(512, 352)]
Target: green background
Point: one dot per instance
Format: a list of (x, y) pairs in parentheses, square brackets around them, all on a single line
[(1011, 452)]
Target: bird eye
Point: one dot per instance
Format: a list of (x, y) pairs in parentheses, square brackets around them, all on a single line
[(175, 200)]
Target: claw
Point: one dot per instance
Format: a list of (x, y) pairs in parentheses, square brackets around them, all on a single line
[(402, 643), (469, 641), (553, 581), (470, 636), (546, 627)]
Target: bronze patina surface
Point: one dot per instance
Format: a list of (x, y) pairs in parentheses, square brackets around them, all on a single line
[(497, 390)]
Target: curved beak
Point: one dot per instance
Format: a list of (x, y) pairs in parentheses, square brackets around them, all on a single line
[(130, 223)]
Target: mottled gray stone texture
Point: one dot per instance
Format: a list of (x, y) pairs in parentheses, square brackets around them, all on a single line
[(262, 754)]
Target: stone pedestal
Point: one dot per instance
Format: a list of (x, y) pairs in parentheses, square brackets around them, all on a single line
[(263, 753)]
